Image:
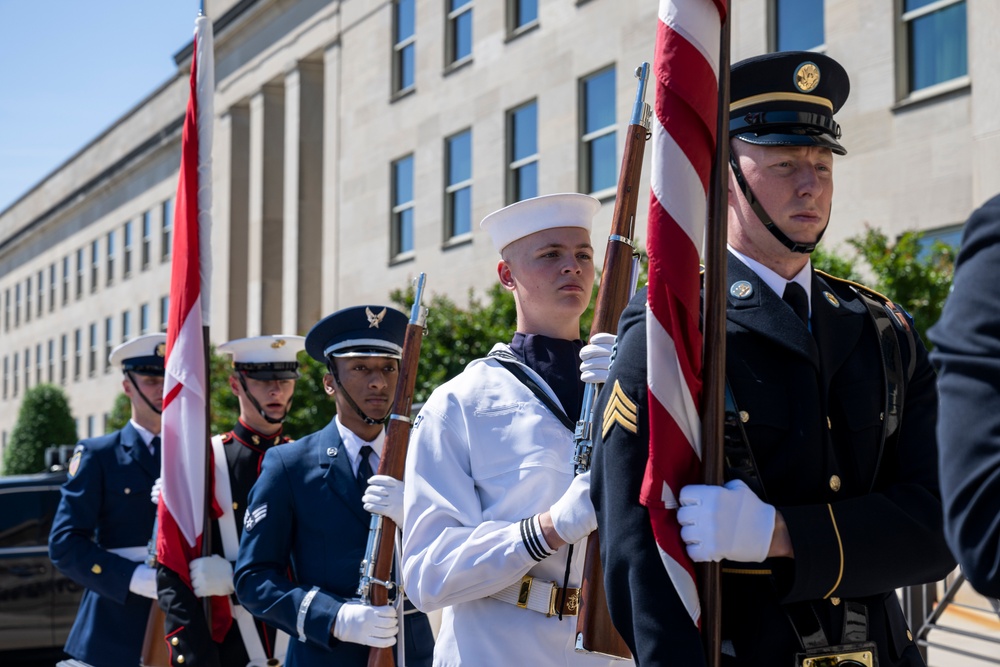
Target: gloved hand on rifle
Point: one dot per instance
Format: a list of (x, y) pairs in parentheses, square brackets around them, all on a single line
[(361, 624), (211, 575), (384, 496), (573, 515), (596, 358), (728, 522)]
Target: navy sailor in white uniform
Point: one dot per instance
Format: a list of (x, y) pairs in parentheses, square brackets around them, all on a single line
[(306, 525)]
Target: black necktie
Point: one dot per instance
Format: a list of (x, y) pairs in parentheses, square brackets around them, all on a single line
[(154, 445), (795, 296), (364, 468)]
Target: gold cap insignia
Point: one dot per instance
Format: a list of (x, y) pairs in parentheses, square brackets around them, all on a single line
[(280, 342), (807, 77), (741, 289), (834, 301), (620, 410), (161, 350), (373, 319)]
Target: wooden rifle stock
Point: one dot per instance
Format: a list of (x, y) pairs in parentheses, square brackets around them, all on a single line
[(377, 567), (154, 645), (595, 632)]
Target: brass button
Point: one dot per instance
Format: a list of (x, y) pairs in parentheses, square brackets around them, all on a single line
[(96, 569), (127, 490), (180, 660), (834, 601), (828, 424), (835, 483), (909, 635), (744, 416), (236, 505), (174, 641)]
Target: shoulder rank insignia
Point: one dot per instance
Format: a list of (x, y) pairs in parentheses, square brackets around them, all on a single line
[(620, 410), (373, 319), (74, 463), (227, 437), (253, 518)]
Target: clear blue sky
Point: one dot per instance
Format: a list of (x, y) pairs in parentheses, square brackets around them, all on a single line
[(70, 68)]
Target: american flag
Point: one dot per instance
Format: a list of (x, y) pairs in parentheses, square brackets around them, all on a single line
[(185, 387), (686, 71)]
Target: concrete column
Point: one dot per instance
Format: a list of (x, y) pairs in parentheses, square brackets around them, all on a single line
[(303, 197), (266, 194), (237, 198), (330, 299)]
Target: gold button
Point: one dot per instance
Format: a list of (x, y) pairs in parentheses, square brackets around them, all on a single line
[(96, 569), (180, 660), (744, 416), (828, 424), (236, 505), (835, 483), (127, 490), (174, 641), (834, 601), (909, 635)]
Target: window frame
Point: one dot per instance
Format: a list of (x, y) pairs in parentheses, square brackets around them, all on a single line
[(515, 28), (399, 209), (399, 48), (904, 51), (166, 230), (127, 249), (95, 264), (453, 60), (587, 138), (772, 27), (451, 190), (514, 163)]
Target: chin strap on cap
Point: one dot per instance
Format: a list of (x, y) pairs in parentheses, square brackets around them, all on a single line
[(260, 410), (350, 401)]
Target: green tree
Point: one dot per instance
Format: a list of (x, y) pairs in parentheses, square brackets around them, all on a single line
[(121, 412), (43, 420)]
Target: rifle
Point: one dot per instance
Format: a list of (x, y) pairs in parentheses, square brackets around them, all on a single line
[(154, 648), (594, 630), (376, 568)]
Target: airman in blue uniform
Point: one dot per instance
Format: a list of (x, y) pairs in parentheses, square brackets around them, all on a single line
[(306, 524), (105, 518)]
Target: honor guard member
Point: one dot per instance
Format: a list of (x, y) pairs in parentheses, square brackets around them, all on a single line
[(104, 523), (967, 353), (306, 526), (491, 502), (832, 501), (265, 369)]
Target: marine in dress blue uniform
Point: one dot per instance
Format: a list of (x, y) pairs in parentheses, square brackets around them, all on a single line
[(967, 353), (263, 378), (105, 518), (832, 500), (306, 527)]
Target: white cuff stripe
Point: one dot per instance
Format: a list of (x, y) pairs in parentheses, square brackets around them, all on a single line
[(300, 620)]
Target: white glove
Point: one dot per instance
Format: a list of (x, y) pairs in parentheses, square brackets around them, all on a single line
[(360, 624), (725, 522), (596, 358), (143, 581), (384, 496), (210, 576), (573, 515), (154, 493)]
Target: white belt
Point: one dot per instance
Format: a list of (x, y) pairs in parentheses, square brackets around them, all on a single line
[(541, 596), (134, 554)]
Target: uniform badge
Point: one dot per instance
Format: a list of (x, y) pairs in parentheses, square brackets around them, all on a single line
[(620, 410), (807, 77), (253, 518), (74, 463), (373, 319), (161, 350), (331, 451), (280, 342), (741, 289), (834, 301), (416, 422)]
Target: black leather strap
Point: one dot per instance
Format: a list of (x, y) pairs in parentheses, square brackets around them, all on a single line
[(855, 623), (518, 372)]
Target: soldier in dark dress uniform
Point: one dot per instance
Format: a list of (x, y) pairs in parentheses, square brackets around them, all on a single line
[(833, 498), (104, 522), (263, 379), (306, 525)]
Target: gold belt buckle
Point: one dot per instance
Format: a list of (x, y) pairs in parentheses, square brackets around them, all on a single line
[(572, 596), (522, 595), (853, 659)]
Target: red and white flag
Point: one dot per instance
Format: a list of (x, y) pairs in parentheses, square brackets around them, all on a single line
[(181, 513), (686, 70)]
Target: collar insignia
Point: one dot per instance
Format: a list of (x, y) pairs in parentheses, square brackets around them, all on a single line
[(807, 77), (620, 410), (331, 451), (373, 319), (256, 439), (834, 301), (741, 289)]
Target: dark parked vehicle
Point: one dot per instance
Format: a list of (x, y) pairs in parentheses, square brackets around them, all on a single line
[(37, 603)]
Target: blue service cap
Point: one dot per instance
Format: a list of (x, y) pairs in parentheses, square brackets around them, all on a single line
[(788, 98), (360, 331), (143, 355)]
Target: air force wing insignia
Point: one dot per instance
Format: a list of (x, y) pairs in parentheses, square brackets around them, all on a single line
[(256, 516), (373, 319), (620, 410)]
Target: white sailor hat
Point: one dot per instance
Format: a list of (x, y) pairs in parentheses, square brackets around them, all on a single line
[(537, 214), (143, 355), (266, 357), (360, 331)]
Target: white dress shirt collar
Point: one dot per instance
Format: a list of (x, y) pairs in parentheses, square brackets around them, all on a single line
[(775, 281), (353, 443)]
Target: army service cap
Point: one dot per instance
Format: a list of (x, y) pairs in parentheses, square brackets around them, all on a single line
[(537, 214), (788, 98), (266, 357), (143, 355), (360, 331)]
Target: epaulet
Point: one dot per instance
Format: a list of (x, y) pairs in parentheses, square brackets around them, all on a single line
[(890, 305), (227, 437)]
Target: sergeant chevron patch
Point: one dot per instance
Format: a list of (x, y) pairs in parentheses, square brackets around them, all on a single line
[(256, 516), (620, 410)]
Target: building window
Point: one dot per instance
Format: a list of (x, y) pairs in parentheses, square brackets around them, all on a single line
[(27, 368), (92, 355), (126, 325), (147, 239), (95, 251), (127, 254), (17, 372), (52, 287), (522, 152), (40, 305), (164, 312), (65, 298), (109, 337), (797, 25), (458, 192), (90, 426), (598, 171), (6, 376), (63, 358), (27, 300), (6, 309), (17, 305), (144, 319), (166, 238), (79, 273), (936, 37), (404, 46), (50, 378), (458, 32), (111, 258), (39, 363), (402, 206), (77, 353), (521, 15)]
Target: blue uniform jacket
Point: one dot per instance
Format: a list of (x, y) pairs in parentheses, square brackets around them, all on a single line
[(303, 540), (105, 505)]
